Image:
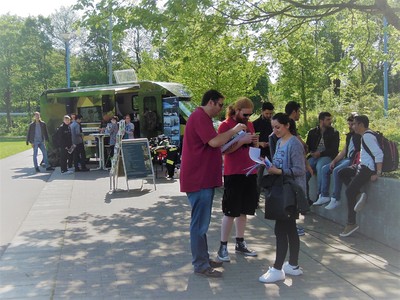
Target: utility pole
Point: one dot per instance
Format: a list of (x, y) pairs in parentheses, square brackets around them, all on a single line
[(385, 68), (66, 38), (110, 28)]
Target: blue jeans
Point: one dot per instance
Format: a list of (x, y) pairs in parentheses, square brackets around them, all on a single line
[(42, 147), (337, 182), (317, 164), (201, 203)]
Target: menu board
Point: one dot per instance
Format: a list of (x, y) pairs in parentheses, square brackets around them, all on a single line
[(136, 158)]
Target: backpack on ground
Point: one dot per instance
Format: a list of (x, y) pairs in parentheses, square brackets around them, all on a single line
[(390, 152)]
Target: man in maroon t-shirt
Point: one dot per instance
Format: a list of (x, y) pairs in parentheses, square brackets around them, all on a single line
[(201, 173)]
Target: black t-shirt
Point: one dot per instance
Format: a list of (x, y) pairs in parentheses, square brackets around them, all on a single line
[(264, 128)]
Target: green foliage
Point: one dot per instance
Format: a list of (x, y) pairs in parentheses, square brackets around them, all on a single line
[(19, 126)]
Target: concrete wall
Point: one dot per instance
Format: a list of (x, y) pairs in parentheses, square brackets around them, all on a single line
[(380, 218)]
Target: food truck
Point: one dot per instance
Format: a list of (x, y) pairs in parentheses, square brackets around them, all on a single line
[(155, 108)]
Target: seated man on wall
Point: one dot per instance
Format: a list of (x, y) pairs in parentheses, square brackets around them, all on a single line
[(345, 158), (356, 176), (323, 144)]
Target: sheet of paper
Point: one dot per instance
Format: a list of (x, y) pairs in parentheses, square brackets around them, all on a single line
[(234, 139), (255, 155)]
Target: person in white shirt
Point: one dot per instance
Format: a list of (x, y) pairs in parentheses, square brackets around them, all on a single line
[(356, 176)]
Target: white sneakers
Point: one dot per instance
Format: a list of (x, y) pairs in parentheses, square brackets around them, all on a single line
[(349, 229), (292, 270), (333, 204), (321, 200), (274, 275)]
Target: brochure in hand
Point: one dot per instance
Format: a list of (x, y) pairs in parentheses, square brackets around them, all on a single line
[(255, 155), (233, 140), (71, 149)]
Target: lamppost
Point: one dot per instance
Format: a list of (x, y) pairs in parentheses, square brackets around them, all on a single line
[(66, 38), (110, 45), (385, 68)]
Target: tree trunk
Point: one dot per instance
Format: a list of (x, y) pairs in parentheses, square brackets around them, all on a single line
[(303, 97), (7, 102)]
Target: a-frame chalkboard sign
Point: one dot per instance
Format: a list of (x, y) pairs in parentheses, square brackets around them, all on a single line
[(137, 161), (134, 156)]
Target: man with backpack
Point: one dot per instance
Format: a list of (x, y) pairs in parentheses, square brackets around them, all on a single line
[(356, 176)]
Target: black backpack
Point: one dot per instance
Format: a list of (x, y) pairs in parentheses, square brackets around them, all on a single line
[(389, 149)]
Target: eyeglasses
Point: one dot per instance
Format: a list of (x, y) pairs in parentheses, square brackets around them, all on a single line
[(247, 115)]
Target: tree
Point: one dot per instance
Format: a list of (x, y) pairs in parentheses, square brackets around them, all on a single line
[(96, 20), (250, 12), (10, 27), (194, 49), (36, 69)]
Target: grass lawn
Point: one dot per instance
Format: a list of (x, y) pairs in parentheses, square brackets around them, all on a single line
[(10, 146)]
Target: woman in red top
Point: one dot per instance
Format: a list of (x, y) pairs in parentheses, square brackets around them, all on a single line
[(240, 189)]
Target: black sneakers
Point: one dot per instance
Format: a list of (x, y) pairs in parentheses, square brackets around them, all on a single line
[(241, 247)]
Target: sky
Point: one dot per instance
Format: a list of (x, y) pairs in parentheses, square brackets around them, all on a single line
[(25, 8)]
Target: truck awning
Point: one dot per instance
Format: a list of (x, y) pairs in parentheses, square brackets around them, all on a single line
[(77, 92), (177, 89)]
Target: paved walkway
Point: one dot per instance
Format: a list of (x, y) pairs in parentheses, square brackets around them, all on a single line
[(80, 242)]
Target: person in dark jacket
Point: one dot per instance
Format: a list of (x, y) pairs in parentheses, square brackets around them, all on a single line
[(263, 128), (345, 158), (65, 143), (323, 146), (77, 140), (37, 136)]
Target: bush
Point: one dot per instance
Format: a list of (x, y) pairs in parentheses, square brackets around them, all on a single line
[(19, 126)]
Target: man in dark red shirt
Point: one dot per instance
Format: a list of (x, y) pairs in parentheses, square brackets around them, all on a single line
[(201, 173)]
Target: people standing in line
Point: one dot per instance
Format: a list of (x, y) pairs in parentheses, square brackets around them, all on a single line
[(105, 120), (262, 126), (201, 173), (77, 140), (129, 127), (356, 176), (136, 123), (288, 159), (112, 130), (37, 136), (323, 145), (293, 110), (344, 159), (240, 196), (65, 142), (70, 156)]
